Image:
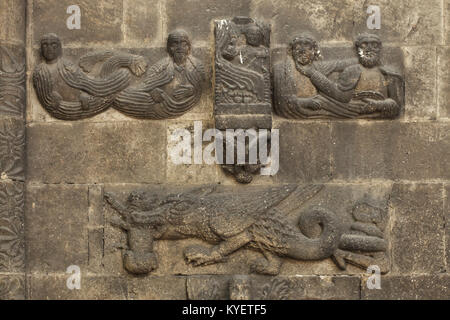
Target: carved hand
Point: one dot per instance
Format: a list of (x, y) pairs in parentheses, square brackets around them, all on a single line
[(183, 92), (157, 95), (56, 98), (371, 105), (138, 66), (307, 70)]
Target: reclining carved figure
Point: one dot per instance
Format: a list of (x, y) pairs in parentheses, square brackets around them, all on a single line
[(365, 89), (166, 90)]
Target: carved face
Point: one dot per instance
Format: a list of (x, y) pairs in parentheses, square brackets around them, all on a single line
[(369, 52), (253, 36), (179, 49), (303, 52), (51, 49), (230, 51)]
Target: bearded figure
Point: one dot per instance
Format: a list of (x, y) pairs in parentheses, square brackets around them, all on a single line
[(170, 88), (376, 91), (296, 96), (364, 89), (68, 93)]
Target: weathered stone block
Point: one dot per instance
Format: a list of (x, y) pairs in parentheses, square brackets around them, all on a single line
[(157, 288), (377, 150), (54, 287), (208, 287), (418, 228), (97, 152), (105, 15), (12, 244), (306, 288), (420, 82), (179, 173), (305, 150), (143, 22), (12, 287), (404, 21), (196, 16), (12, 13), (57, 234), (422, 287), (444, 81)]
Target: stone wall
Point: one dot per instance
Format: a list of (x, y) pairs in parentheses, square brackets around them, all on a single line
[(400, 165)]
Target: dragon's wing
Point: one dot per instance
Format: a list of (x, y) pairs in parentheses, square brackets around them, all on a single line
[(232, 213)]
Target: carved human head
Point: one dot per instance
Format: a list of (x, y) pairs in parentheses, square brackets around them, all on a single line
[(304, 49), (253, 35), (368, 47), (178, 46), (51, 48), (230, 51)]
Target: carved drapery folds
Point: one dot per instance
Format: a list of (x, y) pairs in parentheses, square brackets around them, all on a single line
[(254, 219), (364, 88), (242, 93), (165, 90)]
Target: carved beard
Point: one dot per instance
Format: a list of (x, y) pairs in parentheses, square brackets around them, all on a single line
[(368, 59), (179, 57)]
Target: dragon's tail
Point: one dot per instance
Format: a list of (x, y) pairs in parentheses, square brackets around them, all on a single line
[(319, 238)]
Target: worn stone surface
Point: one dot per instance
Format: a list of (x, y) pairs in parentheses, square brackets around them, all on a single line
[(143, 22), (12, 287), (385, 182), (157, 288), (305, 150), (409, 21), (443, 58), (104, 15), (54, 287), (180, 14), (420, 78), (13, 27), (98, 152), (421, 287), (388, 150), (418, 207), (56, 227)]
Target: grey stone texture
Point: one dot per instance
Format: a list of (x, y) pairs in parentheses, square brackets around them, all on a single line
[(54, 174)]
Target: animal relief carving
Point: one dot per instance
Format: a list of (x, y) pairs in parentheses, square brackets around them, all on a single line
[(254, 219)]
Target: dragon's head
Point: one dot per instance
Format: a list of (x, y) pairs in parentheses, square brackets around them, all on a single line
[(143, 201)]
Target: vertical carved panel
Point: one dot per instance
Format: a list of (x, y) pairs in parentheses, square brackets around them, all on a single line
[(12, 143), (12, 248)]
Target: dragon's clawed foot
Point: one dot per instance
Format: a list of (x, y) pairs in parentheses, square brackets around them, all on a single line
[(201, 256)]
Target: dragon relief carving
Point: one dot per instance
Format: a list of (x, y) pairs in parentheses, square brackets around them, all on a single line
[(105, 79), (254, 219)]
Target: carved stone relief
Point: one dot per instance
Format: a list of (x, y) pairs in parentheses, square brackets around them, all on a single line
[(243, 96), (254, 219), (12, 84), (364, 89), (165, 90)]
